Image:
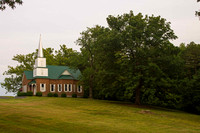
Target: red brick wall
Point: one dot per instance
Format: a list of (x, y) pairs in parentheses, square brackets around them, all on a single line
[(56, 82), (25, 81), (53, 81)]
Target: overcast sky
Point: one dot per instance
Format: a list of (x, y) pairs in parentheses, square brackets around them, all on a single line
[(61, 21)]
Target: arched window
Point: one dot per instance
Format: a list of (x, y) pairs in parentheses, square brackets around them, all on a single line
[(59, 87), (65, 87), (52, 87), (42, 87), (79, 88), (70, 87)]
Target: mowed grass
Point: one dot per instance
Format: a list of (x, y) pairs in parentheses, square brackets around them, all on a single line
[(44, 114)]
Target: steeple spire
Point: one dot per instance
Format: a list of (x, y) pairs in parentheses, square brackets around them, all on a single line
[(40, 52), (40, 68)]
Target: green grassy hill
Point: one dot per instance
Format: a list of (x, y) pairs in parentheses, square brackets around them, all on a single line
[(44, 114)]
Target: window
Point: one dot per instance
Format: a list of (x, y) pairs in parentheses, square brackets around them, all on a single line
[(79, 88), (52, 87), (42, 87), (70, 87), (65, 87), (59, 87)]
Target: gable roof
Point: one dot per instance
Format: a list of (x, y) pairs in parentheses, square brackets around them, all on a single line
[(55, 72)]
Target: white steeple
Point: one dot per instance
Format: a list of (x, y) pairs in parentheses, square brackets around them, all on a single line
[(40, 68), (40, 52)]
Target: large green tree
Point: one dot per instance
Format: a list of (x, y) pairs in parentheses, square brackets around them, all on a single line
[(140, 36)]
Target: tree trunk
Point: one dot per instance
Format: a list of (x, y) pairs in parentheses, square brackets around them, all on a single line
[(137, 94), (91, 87), (90, 92)]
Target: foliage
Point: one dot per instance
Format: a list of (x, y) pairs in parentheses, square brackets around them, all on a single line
[(13, 83), (189, 85), (29, 93), (133, 59), (50, 94), (39, 94), (63, 95), (10, 3), (197, 13), (19, 93), (55, 95), (74, 95)]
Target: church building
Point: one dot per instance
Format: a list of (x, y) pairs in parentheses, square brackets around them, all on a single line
[(51, 79)]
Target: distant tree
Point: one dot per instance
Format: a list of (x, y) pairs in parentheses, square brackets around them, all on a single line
[(198, 12), (97, 62), (191, 57), (10, 3), (88, 42), (13, 81), (189, 84)]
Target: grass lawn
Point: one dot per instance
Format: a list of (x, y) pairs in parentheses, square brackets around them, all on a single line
[(49, 114)]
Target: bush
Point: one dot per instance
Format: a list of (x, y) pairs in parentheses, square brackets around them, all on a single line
[(39, 94), (63, 95), (21, 93), (50, 94), (55, 95), (74, 95), (29, 93)]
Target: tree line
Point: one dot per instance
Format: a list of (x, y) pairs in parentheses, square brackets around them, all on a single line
[(130, 59)]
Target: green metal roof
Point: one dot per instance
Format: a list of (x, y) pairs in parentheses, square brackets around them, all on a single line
[(32, 82), (54, 72)]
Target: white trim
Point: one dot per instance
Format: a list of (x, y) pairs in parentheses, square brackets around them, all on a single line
[(65, 87), (69, 85), (66, 73), (54, 87), (79, 87), (59, 87), (42, 89)]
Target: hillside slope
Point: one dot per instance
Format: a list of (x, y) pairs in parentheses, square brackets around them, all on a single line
[(44, 114)]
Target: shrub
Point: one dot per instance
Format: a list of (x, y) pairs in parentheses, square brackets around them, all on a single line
[(29, 93), (50, 94), (39, 94), (74, 95), (55, 95), (63, 95), (21, 93)]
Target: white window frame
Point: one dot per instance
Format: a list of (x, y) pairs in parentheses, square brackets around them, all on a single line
[(59, 85), (79, 88), (42, 89), (54, 87), (69, 85), (65, 87)]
